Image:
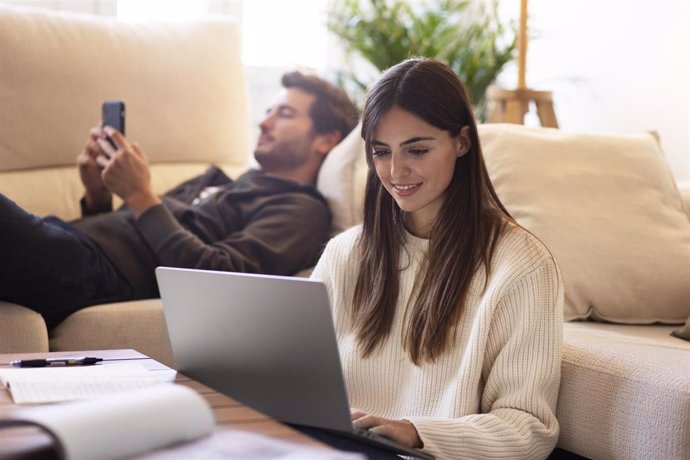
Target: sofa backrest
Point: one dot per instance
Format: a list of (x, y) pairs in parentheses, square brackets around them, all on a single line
[(183, 85)]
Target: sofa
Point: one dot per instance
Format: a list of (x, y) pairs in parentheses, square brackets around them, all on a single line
[(605, 204)]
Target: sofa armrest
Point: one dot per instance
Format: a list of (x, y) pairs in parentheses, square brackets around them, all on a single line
[(21, 330), (139, 325)]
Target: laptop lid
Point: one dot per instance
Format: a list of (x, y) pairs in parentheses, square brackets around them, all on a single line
[(266, 341)]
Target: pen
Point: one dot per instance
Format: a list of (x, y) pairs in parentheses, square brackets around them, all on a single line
[(86, 361)]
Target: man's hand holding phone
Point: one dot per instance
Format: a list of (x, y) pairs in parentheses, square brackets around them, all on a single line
[(126, 171), (110, 164), (92, 160)]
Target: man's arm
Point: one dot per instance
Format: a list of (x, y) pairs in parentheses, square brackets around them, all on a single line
[(284, 235)]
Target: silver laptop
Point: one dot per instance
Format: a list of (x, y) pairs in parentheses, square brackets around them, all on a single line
[(267, 341)]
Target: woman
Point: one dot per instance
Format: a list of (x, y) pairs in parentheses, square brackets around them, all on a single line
[(447, 313)]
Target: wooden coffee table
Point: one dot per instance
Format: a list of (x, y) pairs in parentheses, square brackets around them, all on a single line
[(32, 443)]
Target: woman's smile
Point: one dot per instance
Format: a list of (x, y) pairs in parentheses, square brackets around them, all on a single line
[(404, 190)]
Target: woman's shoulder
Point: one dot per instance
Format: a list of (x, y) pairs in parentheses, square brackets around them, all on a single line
[(346, 237), (338, 255), (343, 242), (517, 246)]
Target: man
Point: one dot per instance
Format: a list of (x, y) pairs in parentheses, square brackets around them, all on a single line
[(267, 221)]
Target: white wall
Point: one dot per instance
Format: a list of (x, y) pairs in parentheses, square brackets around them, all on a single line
[(614, 66), (102, 7)]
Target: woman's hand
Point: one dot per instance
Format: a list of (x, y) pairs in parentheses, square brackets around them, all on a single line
[(402, 431)]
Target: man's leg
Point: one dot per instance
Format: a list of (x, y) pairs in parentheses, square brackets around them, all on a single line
[(48, 266)]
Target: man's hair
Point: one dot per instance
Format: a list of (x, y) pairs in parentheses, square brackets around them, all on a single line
[(332, 109)]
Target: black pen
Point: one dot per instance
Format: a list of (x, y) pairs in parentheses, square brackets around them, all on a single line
[(86, 361)]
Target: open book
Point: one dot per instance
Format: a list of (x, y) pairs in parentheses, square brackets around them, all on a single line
[(124, 410), (123, 425)]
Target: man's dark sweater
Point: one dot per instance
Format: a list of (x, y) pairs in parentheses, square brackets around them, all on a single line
[(257, 224)]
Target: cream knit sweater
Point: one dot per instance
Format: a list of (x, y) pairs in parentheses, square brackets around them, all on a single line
[(494, 394)]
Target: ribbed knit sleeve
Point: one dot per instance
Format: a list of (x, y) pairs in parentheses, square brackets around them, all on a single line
[(492, 395)]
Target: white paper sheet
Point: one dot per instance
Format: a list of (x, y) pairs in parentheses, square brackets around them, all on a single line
[(243, 445), (57, 384)]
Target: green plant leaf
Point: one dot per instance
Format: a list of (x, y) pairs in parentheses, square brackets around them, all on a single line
[(465, 34)]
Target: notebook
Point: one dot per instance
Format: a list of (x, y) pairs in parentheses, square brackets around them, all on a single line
[(267, 341)]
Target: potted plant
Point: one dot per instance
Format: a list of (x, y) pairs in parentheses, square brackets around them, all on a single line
[(465, 34)]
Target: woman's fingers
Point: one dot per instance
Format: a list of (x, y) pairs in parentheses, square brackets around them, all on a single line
[(384, 430), (402, 431), (367, 421), (356, 413)]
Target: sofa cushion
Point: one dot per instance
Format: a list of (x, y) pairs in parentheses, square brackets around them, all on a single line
[(608, 208), (183, 85), (139, 325), (625, 392), (342, 180)]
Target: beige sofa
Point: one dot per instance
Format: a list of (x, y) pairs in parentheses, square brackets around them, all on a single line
[(606, 206), (186, 99)]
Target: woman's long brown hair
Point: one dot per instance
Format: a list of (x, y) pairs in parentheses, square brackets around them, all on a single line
[(462, 239)]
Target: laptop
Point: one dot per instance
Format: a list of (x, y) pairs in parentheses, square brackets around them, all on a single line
[(266, 341)]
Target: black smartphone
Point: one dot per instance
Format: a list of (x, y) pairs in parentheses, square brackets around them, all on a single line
[(113, 114)]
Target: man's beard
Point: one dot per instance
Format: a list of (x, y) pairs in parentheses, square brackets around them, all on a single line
[(283, 156)]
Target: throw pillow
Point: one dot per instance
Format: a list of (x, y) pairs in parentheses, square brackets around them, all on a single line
[(608, 208), (182, 84), (341, 180)]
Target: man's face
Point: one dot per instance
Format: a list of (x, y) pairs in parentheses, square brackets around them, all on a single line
[(287, 132)]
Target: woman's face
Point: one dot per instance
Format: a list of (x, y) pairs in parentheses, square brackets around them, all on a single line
[(415, 162)]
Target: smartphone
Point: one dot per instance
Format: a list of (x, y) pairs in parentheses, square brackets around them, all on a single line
[(113, 114)]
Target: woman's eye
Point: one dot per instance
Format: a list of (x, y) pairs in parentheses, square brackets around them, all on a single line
[(418, 152), (380, 153)]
